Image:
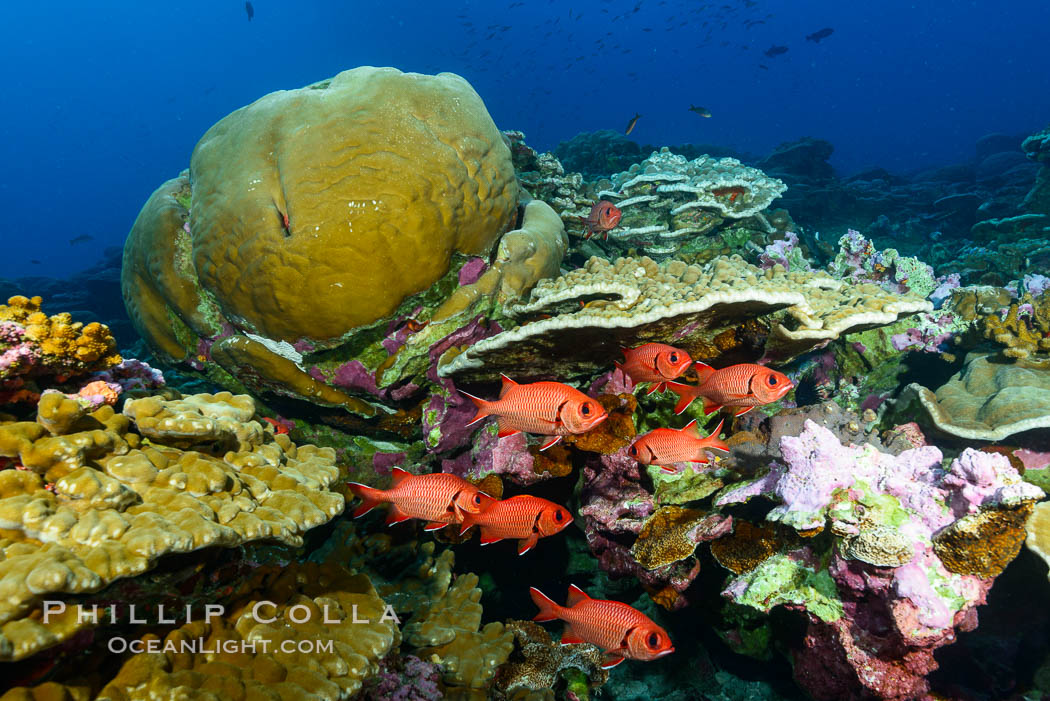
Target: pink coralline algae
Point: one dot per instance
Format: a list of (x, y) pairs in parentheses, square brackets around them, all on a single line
[(878, 601), (406, 679), (931, 334), (508, 457), (132, 374), (784, 252)]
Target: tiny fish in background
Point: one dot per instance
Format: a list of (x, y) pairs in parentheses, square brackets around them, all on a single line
[(35, 262), (655, 363), (622, 631), (666, 446), (816, 36), (745, 385), (774, 51), (604, 217), (249, 9), (702, 111), (84, 238), (439, 498), (524, 517), (631, 124), (551, 409)]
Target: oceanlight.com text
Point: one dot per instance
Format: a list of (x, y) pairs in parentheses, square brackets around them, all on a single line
[(200, 646)]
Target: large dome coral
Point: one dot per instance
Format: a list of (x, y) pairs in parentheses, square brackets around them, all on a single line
[(318, 210)]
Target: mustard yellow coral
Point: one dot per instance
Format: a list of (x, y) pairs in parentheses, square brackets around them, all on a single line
[(96, 502), (1025, 329)]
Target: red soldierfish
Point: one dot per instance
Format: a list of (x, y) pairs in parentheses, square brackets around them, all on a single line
[(604, 216), (620, 630), (656, 363), (745, 386), (524, 517), (550, 409), (666, 446), (439, 498)]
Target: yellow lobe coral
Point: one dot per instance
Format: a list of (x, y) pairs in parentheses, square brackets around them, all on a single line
[(97, 503), (984, 543), (66, 347), (1025, 330)]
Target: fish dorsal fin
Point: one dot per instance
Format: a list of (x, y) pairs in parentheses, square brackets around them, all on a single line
[(703, 372), (575, 596), (506, 385), (399, 475), (691, 429)]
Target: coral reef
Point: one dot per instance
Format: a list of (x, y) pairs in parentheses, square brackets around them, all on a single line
[(912, 554), (35, 345), (989, 400), (668, 201), (242, 263), (93, 501), (726, 306)]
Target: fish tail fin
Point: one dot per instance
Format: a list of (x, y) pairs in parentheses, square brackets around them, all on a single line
[(703, 372), (716, 443), (618, 365), (548, 609), (481, 404), (575, 596), (370, 497)]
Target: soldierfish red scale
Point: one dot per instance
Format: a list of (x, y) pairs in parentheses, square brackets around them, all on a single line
[(742, 386), (666, 446), (603, 217), (620, 630), (524, 517), (550, 409), (655, 363), (439, 498)]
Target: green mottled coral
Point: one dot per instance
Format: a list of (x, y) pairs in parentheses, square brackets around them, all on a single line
[(785, 578)]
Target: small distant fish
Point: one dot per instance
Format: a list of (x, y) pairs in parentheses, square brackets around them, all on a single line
[(249, 9), (702, 111), (763, 66), (824, 33), (774, 51), (604, 217), (439, 498), (35, 262), (524, 517), (278, 427), (666, 446), (630, 124), (84, 238), (622, 631), (743, 386), (655, 363), (731, 191), (551, 409)]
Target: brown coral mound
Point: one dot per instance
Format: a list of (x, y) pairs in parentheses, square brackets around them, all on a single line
[(94, 502), (538, 662), (316, 211)]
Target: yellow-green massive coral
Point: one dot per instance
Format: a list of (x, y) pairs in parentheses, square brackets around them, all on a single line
[(312, 216), (96, 498), (576, 324)]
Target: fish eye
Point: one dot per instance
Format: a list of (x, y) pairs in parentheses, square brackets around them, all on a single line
[(772, 380), (477, 499), (674, 357), (633, 450), (559, 516), (654, 639), (585, 409)]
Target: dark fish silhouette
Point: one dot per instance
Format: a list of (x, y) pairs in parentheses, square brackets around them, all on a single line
[(84, 238), (702, 111), (35, 262), (824, 33), (249, 9), (763, 66), (774, 51), (630, 124)]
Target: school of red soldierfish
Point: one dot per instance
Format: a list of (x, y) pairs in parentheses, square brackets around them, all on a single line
[(553, 410)]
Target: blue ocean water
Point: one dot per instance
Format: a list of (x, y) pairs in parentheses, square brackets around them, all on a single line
[(105, 100)]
